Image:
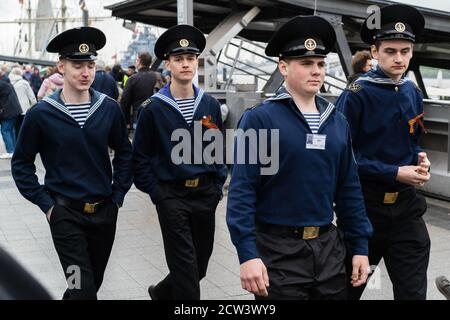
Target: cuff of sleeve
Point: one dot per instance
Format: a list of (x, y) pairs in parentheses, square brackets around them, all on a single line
[(155, 193), (359, 246), (45, 206), (247, 251), (392, 174), (118, 197)]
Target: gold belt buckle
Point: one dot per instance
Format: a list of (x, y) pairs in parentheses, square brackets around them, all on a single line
[(310, 232), (192, 183), (89, 208), (390, 197)]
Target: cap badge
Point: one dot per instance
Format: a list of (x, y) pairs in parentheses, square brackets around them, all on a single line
[(400, 27), (310, 44), (83, 48), (184, 43)]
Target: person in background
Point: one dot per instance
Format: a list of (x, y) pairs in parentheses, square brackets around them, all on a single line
[(24, 93), (51, 84), (361, 63), (139, 87), (36, 81), (27, 72), (105, 83), (9, 111)]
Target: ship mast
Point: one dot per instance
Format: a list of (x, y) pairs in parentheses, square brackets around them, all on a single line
[(29, 30)]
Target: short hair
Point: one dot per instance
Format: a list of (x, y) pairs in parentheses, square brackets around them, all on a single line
[(359, 61), (132, 67), (16, 71), (145, 58)]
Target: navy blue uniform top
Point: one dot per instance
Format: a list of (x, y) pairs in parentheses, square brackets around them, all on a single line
[(152, 146), (378, 112), (307, 183), (76, 159)]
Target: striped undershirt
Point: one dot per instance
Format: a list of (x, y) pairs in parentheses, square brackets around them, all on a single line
[(79, 111), (313, 119), (187, 108)]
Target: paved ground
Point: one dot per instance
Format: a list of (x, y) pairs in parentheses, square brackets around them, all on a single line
[(137, 258)]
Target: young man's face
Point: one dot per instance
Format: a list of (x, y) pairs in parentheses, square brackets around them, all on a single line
[(303, 75), (182, 66), (79, 75), (393, 56)]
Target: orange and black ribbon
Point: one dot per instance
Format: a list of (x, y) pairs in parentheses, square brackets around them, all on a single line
[(419, 120), (206, 121)]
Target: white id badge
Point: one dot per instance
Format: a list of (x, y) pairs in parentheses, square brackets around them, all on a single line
[(316, 141)]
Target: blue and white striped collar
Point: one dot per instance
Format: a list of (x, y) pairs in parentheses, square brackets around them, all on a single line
[(325, 108), (378, 76), (96, 100), (165, 95)]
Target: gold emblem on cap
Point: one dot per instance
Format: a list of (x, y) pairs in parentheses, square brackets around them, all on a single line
[(184, 43), (83, 48), (310, 44), (400, 26)]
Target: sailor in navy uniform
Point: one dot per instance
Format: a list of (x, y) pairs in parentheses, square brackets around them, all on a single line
[(71, 130), (385, 113), (186, 194), (281, 224)]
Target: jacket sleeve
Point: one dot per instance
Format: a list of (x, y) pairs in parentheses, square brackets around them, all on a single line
[(242, 193), (123, 159), (418, 131), (30, 94), (115, 90), (350, 208), (144, 146), (351, 105), (23, 167)]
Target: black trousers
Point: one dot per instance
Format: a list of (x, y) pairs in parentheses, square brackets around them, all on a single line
[(401, 239), (187, 220), (83, 243), (304, 269)]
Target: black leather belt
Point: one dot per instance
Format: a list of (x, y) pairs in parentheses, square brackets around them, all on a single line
[(193, 182), (305, 233), (391, 197), (85, 207)]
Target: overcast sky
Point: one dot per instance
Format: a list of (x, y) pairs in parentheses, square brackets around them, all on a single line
[(118, 37)]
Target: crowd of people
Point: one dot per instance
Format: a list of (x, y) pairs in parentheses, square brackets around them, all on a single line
[(22, 86)]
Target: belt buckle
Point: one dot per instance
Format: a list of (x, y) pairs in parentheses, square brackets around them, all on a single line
[(89, 208), (191, 183), (390, 197), (310, 232)]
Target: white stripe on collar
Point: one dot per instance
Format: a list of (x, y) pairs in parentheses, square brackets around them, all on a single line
[(96, 105), (326, 114), (281, 96), (58, 106), (175, 104), (198, 99), (383, 80), (64, 109)]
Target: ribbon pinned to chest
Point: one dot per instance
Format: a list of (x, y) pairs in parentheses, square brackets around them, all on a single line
[(206, 121), (419, 120)]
